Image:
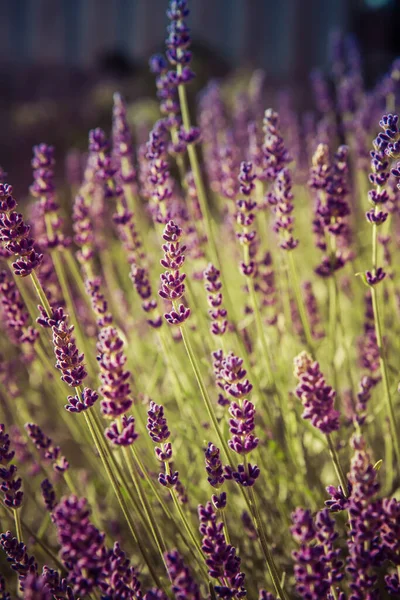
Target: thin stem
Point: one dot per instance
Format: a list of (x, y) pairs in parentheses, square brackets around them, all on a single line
[(121, 500), (70, 483), (281, 594), (385, 374), (337, 466), (17, 519), (40, 292), (300, 302), (267, 555), (146, 506)]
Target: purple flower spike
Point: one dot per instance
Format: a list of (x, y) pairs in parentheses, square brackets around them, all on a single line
[(184, 586), (214, 466), (15, 235), (4, 595), (16, 316), (36, 588), (276, 157), (178, 40), (43, 188), (124, 437), (122, 576), (317, 397), (69, 360), (21, 562), (82, 545), (46, 447), (221, 559), (281, 200), (10, 485), (264, 595), (317, 565), (115, 387), (48, 494), (172, 281), (218, 314), (365, 515), (77, 405), (157, 423), (122, 144)]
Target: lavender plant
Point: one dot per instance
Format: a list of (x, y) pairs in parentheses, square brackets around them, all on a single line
[(160, 446)]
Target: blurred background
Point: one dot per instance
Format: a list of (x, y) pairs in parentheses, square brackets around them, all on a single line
[(60, 60)]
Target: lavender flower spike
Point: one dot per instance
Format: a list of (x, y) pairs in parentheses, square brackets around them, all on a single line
[(15, 235), (317, 397), (172, 280)]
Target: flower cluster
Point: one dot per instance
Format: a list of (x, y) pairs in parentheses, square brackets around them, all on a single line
[(83, 550), (158, 431), (69, 360), (281, 200), (318, 567), (43, 188), (231, 377), (122, 144), (365, 551), (46, 447), (10, 484), (245, 217), (141, 281), (214, 466), (115, 387), (16, 316), (275, 154), (317, 397), (172, 280), (184, 586), (21, 562), (15, 235), (222, 561), (329, 182), (217, 312)]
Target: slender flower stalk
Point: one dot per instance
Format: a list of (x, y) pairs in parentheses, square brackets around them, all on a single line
[(318, 400), (385, 144)]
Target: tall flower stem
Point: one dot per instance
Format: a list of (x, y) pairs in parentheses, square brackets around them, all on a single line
[(337, 466), (385, 374), (379, 341), (267, 555), (195, 166), (145, 504), (17, 519), (187, 526), (163, 505), (300, 302), (281, 594), (41, 294), (115, 485)]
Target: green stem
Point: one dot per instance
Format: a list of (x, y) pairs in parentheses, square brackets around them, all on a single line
[(146, 506), (115, 485), (267, 555), (300, 302), (281, 594), (40, 292), (17, 519), (385, 374), (337, 466)]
